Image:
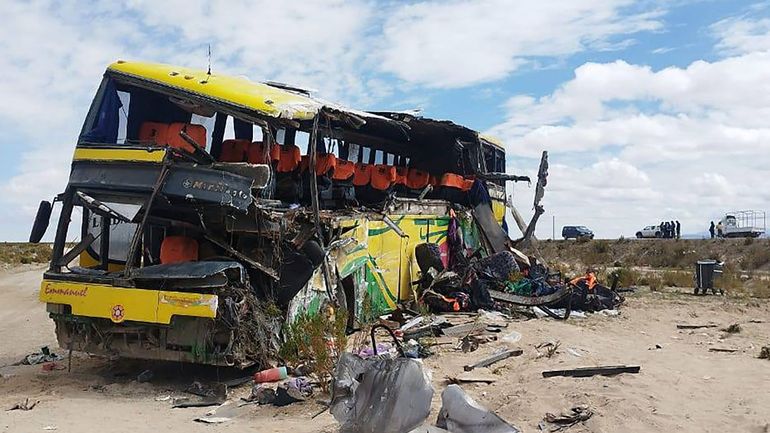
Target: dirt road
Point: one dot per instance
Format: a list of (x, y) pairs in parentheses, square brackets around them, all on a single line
[(682, 385)]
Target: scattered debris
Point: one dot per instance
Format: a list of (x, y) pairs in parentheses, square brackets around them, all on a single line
[(144, 376), (52, 366), (733, 329), (722, 349), (465, 329), (469, 377), (593, 371), (541, 313), (212, 419), (292, 391), (574, 352), (261, 394), (413, 349), (566, 419), (24, 405), (486, 362), (469, 344), (511, 338), (271, 375), (218, 390), (184, 402), (550, 348), (657, 347), (688, 326), (764, 353), (50, 428), (45, 355), (368, 352), (367, 392), (461, 414)]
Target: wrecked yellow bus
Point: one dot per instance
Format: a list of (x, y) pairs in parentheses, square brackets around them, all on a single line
[(211, 209)]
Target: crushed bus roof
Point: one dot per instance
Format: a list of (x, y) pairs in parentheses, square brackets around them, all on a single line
[(263, 98), (282, 102)]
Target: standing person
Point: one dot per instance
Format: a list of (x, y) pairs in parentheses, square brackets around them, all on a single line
[(711, 229), (673, 229), (720, 230), (678, 229), (662, 229)]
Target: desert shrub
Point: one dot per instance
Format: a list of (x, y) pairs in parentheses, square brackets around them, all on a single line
[(677, 279), (598, 252), (626, 277), (25, 253), (757, 256), (316, 340), (654, 282)]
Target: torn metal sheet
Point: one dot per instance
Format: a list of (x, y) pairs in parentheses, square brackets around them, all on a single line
[(197, 274), (380, 395), (260, 173), (461, 414), (491, 229)]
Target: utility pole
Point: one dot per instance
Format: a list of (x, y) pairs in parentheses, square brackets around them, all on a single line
[(553, 227)]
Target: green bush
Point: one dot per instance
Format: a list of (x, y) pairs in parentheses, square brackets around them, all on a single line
[(316, 340)]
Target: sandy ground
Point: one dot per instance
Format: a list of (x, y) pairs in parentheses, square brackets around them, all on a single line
[(682, 385)]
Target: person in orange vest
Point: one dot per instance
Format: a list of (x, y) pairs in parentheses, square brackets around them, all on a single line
[(589, 279)]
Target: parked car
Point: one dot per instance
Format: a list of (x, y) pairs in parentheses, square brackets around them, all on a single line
[(576, 232), (649, 232)]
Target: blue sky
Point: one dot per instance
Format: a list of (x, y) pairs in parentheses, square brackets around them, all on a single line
[(651, 110)]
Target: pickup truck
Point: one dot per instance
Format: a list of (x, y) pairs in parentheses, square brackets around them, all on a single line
[(744, 224)]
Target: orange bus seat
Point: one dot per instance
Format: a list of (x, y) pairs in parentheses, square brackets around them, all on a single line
[(324, 163), (256, 153), (196, 132), (344, 170), (153, 133), (383, 176), (417, 179), (178, 249), (234, 150), (289, 159), (362, 175), (451, 180), (467, 184), (401, 174)]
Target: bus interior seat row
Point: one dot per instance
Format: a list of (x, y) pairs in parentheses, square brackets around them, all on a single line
[(340, 181)]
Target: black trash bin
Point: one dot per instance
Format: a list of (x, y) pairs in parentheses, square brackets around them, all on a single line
[(706, 271)]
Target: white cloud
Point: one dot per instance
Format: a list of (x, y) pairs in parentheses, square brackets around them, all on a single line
[(738, 35), (636, 145), (54, 53), (457, 43)]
